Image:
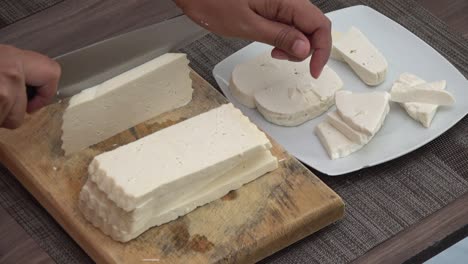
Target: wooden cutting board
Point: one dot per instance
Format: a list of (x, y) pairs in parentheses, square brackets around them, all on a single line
[(245, 226)]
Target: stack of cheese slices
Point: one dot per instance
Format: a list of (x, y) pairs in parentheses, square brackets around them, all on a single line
[(419, 98), (284, 92), (169, 173), (358, 118)]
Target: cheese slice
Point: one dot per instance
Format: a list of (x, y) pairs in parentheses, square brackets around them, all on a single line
[(334, 119), (294, 101), (421, 112), (428, 93), (335, 54), (362, 56), (364, 112), (335, 143), (126, 100)]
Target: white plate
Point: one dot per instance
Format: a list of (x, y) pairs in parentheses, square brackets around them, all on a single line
[(400, 134)]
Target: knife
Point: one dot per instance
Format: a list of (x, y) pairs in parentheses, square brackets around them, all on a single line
[(96, 63)]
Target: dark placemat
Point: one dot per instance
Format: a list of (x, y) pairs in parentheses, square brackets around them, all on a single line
[(14, 10), (381, 201)]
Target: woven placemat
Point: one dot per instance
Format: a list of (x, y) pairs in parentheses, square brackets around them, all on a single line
[(380, 201), (14, 10)]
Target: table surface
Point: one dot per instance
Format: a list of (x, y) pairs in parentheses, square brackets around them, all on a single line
[(16, 246)]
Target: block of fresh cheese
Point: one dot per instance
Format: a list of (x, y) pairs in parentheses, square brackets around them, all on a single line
[(293, 101), (421, 112), (358, 119), (362, 56), (102, 111), (426, 93), (284, 92), (335, 54), (169, 173)]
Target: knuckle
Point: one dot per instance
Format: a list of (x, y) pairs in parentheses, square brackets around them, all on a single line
[(283, 36), (12, 74)]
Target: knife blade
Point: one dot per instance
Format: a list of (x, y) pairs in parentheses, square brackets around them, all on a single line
[(96, 63)]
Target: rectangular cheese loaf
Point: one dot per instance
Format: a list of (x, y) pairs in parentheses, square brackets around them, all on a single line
[(167, 174), (126, 100)]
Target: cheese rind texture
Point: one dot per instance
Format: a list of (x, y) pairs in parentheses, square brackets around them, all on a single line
[(102, 111), (294, 101), (362, 56), (427, 93), (171, 172)]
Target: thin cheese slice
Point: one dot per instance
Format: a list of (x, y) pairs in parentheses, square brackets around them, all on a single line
[(428, 93), (335, 143), (294, 101), (334, 119), (421, 112), (362, 56), (124, 101), (364, 112)]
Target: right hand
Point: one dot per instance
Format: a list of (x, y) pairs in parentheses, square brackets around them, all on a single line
[(18, 68)]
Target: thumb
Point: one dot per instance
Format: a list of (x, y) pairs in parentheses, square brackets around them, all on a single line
[(286, 38)]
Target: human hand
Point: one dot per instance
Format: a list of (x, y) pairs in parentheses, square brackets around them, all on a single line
[(296, 28), (18, 68)]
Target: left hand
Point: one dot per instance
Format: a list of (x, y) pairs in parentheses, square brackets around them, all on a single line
[(295, 27)]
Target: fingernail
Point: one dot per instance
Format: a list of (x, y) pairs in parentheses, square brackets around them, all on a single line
[(279, 56), (299, 48)]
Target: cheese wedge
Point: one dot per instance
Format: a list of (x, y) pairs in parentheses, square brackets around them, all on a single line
[(292, 102), (171, 172), (126, 100), (428, 93), (335, 143), (421, 112), (362, 56), (335, 54), (334, 119), (364, 112)]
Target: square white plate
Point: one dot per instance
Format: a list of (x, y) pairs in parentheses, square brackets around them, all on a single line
[(400, 134)]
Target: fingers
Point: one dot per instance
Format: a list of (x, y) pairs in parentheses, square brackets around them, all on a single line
[(42, 72), (16, 115), (286, 38), (290, 23), (320, 43), (11, 87)]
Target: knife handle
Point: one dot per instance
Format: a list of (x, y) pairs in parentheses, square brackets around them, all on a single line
[(31, 92)]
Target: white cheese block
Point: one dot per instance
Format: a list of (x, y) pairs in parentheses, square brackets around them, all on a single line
[(362, 56), (335, 143), (334, 119), (294, 101), (428, 93), (364, 112), (124, 226), (335, 54), (126, 100), (423, 113), (177, 157), (257, 74)]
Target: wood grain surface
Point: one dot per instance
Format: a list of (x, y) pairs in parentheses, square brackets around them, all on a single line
[(245, 226)]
